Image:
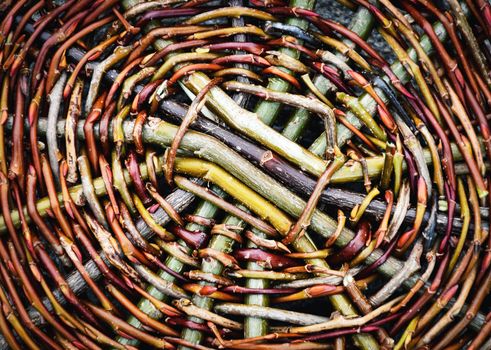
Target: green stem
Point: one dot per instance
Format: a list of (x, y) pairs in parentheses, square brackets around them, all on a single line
[(223, 244), (204, 209), (249, 123), (267, 111), (361, 24), (254, 326)]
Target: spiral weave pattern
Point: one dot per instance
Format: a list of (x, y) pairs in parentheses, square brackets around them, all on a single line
[(245, 175)]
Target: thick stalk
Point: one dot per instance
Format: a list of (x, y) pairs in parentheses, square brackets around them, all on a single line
[(269, 313), (361, 24), (223, 244), (253, 326), (299, 182), (267, 111)]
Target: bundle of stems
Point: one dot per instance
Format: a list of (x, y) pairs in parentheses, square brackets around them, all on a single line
[(230, 174)]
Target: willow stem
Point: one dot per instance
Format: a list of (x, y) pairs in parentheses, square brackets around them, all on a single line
[(318, 147)]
